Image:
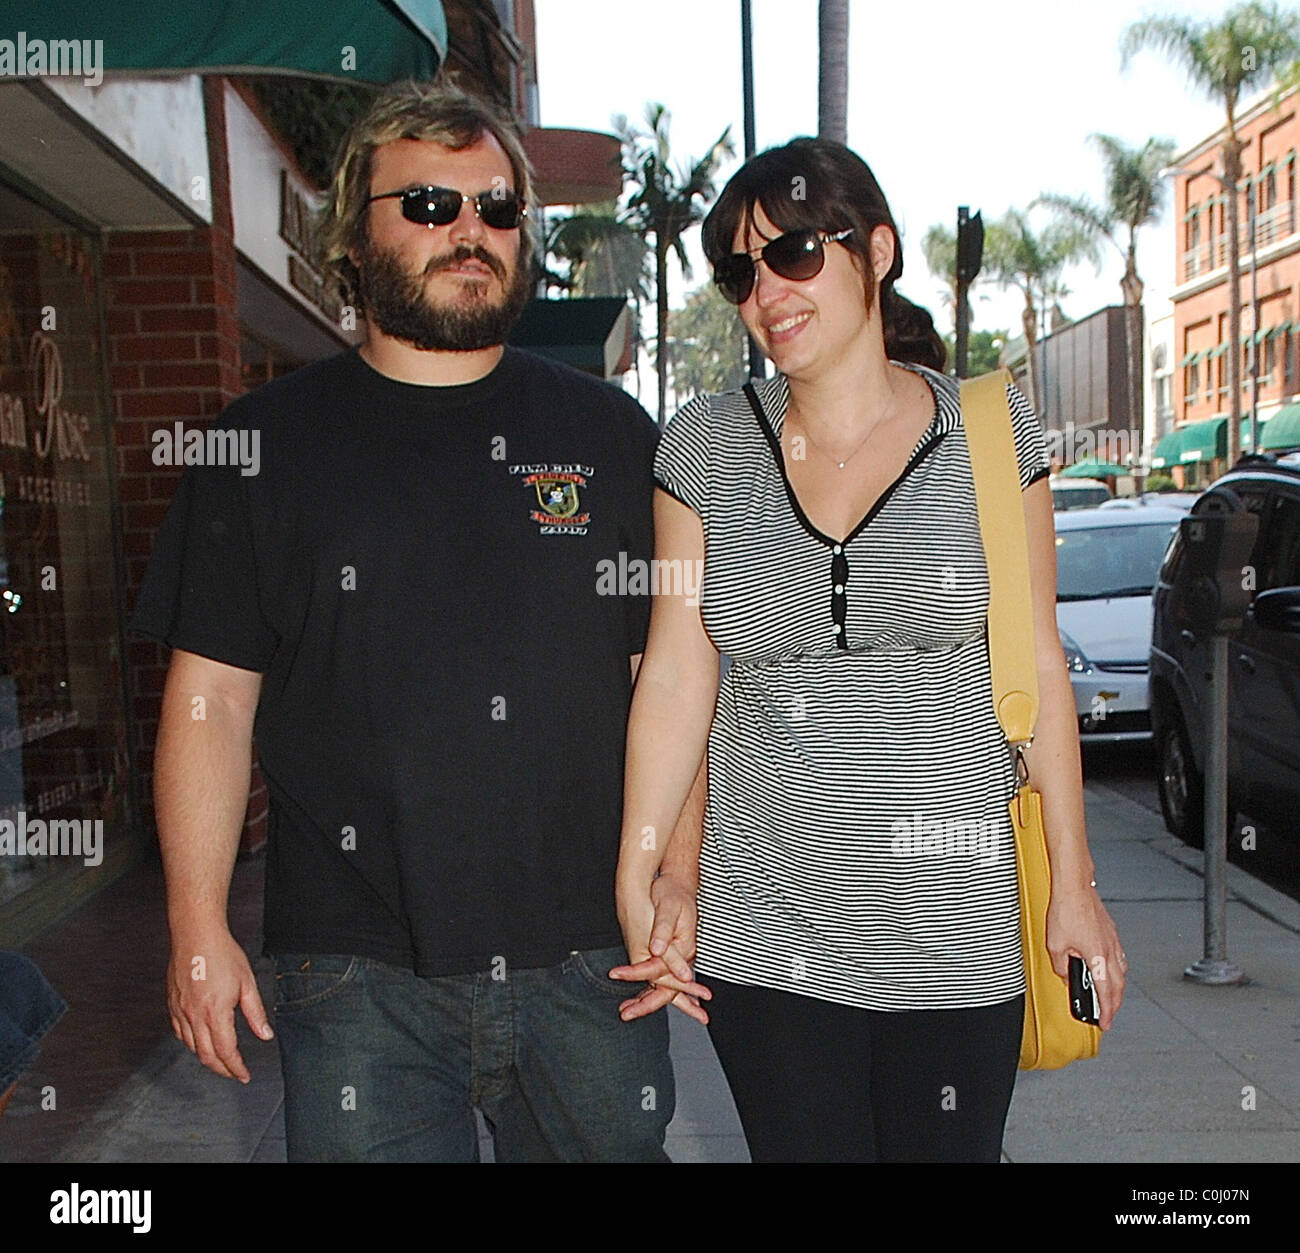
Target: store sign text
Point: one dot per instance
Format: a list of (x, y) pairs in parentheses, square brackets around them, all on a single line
[(57, 429), (296, 231)]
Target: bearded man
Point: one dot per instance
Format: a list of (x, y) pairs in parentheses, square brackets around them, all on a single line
[(403, 604)]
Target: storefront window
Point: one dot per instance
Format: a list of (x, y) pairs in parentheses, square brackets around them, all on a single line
[(63, 748), (260, 361)]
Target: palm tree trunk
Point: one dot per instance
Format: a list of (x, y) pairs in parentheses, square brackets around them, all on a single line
[(1131, 286), (1231, 176), (1030, 321), (833, 70), (661, 343)]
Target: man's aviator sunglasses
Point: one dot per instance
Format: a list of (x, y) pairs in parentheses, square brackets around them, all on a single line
[(797, 255), (499, 208)]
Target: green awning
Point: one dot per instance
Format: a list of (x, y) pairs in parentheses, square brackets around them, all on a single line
[(1168, 450), (1204, 440), (1092, 469), (369, 41), (1282, 430), (1192, 442)]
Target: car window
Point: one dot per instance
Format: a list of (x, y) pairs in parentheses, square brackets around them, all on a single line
[(1169, 570), (1078, 497), (1255, 501), (1279, 564), (1100, 561)]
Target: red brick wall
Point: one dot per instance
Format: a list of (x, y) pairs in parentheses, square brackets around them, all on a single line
[(173, 342), (1268, 134)]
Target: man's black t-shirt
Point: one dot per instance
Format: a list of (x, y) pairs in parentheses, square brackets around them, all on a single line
[(417, 573)]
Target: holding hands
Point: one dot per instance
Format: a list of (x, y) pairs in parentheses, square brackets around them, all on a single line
[(659, 931)]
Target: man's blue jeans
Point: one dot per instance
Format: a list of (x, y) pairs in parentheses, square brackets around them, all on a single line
[(29, 1007), (383, 1065)]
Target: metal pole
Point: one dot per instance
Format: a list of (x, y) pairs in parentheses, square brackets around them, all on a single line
[(757, 362), (1214, 967), (1043, 334), (962, 329), (747, 64), (1254, 330)]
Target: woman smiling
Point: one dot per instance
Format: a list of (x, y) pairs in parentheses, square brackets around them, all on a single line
[(867, 997)]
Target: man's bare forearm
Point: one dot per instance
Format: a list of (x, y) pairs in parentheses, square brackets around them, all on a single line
[(682, 856), (201, 778)]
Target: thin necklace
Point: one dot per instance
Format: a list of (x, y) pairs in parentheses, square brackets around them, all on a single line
[(861, 444)]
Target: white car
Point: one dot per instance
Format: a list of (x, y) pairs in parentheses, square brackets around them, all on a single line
[(1077, 493), (1106, 564)]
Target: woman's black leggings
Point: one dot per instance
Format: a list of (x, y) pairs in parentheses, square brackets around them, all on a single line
[(814, 1081)]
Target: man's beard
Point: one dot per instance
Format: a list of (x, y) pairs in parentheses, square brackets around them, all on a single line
[(398, 303)]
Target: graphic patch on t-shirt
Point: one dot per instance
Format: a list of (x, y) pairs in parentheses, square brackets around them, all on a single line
[(555, 497)]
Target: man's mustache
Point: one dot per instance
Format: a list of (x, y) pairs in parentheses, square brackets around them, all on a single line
[(465, 253)]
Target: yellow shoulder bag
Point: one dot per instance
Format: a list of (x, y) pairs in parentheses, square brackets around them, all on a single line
[(1052, 1036)]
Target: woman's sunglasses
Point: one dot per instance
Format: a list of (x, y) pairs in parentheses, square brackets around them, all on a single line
[(499, 208), (797, 255)]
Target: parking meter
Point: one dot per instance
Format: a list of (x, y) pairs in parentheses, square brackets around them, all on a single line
[(1217, 543)]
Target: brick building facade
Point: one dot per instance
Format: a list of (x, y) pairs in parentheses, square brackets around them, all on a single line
[(1269, 345)]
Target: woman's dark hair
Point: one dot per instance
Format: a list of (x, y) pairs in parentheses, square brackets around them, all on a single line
[(816, 184)]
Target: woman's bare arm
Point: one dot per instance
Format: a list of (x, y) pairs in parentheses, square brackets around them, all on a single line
[(1077, 921), (663, 794)]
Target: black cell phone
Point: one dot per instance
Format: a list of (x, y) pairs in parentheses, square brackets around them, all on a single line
[(1083, 996)]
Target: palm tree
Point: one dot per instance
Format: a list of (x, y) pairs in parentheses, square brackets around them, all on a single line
[(666, 203), (833, 70), (595, 252), (601, 254), (1134, 198), (1032, 262), (939, 244), (1240, 52), (707, 344)]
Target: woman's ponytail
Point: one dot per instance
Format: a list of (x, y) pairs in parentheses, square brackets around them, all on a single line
[(909, 331)]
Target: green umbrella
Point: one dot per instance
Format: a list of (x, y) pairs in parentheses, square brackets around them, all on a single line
[(1094, 470)]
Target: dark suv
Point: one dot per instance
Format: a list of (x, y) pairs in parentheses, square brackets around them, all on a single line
[(1263, 661)]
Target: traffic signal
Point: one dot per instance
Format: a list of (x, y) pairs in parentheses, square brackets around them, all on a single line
[(970, 244)]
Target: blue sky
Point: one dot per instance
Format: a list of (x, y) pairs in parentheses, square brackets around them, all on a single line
[(981, 104)]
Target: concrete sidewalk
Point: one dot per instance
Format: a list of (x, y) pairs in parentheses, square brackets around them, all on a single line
[(1189, 1073)]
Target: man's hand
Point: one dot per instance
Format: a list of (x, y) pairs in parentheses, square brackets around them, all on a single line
[(667, 918), (209, 975)]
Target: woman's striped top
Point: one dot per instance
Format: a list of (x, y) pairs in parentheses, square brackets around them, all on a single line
[(857, 844)]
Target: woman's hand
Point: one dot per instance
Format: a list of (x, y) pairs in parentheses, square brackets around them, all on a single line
[(659, 931), (1078, 924)]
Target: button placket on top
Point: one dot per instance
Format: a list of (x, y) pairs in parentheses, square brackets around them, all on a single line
[(839, 569), (839, 595)]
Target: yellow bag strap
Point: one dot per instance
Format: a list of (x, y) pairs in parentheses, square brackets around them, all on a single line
[(986, 416)]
